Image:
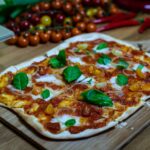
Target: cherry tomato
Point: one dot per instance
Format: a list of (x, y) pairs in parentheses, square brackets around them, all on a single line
[(40, 27), (91, 27), (50, 33), (91, 12), (77, 18), (67, 21), (100, 13), (35, 19), (77, 1), (96, 2), (44, 37), (12, 41), (17, 20), (24, 25), (75, 31), (44, 6), (60, 17), (56, 37), (67, 7), (35, 8), (87, 2), (114, 9), (82, 11), (86, 19), (16, 30), (56, 4), (34, 40), (10, 25), (26, 15), (25, 34), (22, 41), (81, 26), (66, 34), (46, 20)]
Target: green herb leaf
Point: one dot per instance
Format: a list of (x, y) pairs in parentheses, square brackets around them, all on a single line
[(71, 73), (55, 63), (140, 67), (62, 57), (102, 46), (122, 79), (45, 94), (70, 122), (122, 64), (58, 61), (97, 98), (20, 81), (104, 59)]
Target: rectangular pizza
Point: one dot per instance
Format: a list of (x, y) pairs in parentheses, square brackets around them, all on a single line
[(82, 87)]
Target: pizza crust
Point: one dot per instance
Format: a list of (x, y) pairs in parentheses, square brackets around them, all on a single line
[(86, 37), (29, 62), (33, 121)]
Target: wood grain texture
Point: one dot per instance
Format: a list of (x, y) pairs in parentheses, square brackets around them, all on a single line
[(11, 141), (141, 141), (112, 139)]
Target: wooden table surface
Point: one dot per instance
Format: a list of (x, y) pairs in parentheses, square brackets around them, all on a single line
[(9, 140)]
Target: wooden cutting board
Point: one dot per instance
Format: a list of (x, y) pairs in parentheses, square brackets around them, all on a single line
[(112, 139)]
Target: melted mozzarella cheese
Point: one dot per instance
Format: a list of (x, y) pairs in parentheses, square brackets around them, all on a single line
[(117, 52), (53, 93), (104, 66), (76, 59), (30, 81), (49, 78), (103, 51), (62, 119), (101, 84), (14, 89), (82, 77), (86, 80), (114, 84), (147, 54)]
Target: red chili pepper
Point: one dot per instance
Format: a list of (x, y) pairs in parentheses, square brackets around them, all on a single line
[(117, 17), (123, 23), (145, 25)]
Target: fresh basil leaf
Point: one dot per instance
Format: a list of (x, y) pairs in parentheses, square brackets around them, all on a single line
[(62, 57), (55, 63), (104, 59), (122, 64), (70, 122), (97, 98), (45, 94), (20, 81), (121, 79), (58, 61), (140, 67), (102, 46), (71, 73)]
